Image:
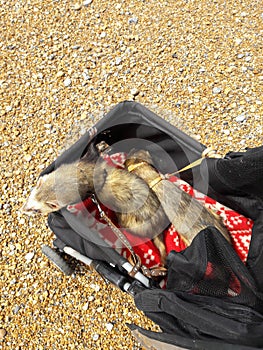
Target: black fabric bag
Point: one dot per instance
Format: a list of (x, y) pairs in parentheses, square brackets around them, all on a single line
[(200, 312), (225, 305), (222, 309)]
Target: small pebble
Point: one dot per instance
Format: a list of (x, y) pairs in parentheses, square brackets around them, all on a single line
[(60, 74), (22, 221), (2, 333), (96, 287), (27, 157), (77, 7), (29, 256), (227, 90), (48, 126), (85, 307), (118, 61), (243, 14), (134, 91), (133, 20), (83, 116), (109, 327), (16, 309), (216, 90), (96, 337), (241, 118), (67, 82), (87, 2)]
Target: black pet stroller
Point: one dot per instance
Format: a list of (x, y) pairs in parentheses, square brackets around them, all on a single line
[(213, 316)]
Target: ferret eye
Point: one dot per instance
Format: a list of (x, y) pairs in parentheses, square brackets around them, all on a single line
[(52, 206), (36, 210)]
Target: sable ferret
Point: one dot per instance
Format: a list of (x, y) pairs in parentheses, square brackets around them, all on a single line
[(175, 201), (136, 206)]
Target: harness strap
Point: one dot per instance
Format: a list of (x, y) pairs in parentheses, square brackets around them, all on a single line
[(155, 181), (121, 236), (132, 167)]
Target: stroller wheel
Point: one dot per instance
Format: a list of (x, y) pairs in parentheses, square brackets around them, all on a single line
[(57, 260)]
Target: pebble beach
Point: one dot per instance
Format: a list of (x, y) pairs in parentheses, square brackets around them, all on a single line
[(63, 65)]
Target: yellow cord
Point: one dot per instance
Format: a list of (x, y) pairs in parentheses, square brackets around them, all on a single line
[(207, 153)]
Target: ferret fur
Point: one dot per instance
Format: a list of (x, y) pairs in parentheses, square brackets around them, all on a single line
[(136, 206), (186, 214)]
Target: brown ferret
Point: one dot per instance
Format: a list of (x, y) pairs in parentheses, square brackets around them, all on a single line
[(186, 214), (136, 206)]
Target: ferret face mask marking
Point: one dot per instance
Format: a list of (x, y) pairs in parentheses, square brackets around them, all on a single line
[(34, 206)]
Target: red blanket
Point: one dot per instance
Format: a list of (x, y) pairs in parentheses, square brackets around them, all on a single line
[(239, 227)]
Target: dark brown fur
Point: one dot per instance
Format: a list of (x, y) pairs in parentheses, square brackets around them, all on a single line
[(187, 215)]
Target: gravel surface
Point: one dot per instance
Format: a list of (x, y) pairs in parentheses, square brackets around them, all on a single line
[(63, 64)]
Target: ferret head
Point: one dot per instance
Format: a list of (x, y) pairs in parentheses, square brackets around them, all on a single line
[(137, 156), (41, 199), (66, 185)]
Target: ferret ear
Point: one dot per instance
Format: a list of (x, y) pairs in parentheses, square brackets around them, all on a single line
[(132, 151), (40, 181), (92, 153), (53, 205)]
